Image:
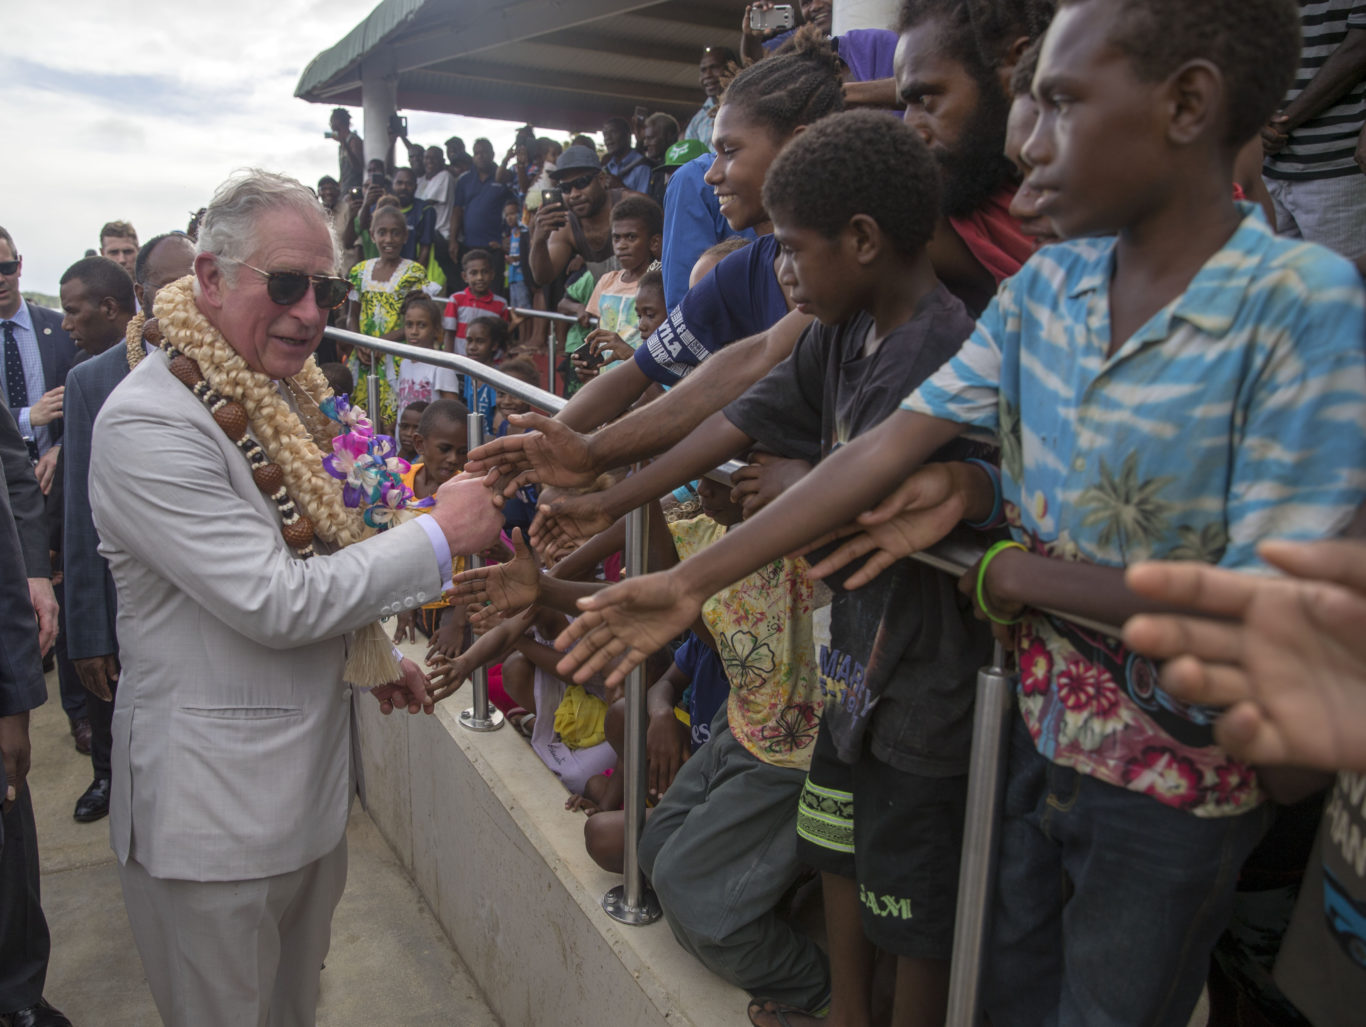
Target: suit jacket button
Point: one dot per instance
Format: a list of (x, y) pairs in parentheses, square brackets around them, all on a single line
[(422, 597), (410, 602)]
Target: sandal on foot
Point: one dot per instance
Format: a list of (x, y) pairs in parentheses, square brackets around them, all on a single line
[(777, 1010)]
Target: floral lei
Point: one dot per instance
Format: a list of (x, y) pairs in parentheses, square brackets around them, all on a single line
[(341, 498), (346, 495)]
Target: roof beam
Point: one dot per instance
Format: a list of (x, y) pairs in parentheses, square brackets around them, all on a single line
[(475, 30), (615, 88)]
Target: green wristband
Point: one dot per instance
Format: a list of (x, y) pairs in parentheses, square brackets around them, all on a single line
[(987, 557)]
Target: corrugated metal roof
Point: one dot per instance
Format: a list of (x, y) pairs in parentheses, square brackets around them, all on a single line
[(560, 63)]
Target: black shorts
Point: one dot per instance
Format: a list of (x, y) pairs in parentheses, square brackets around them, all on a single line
[(903, 849)]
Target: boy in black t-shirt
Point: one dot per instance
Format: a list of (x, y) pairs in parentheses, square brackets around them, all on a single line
[(853, 202)]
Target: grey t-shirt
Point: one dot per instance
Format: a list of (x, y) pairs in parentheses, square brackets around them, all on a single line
[(903, 651)]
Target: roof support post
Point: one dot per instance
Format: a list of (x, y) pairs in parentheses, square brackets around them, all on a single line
[(379, 100)]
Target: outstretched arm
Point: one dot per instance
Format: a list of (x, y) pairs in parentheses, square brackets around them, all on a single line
[(643, 433), (636, 617)]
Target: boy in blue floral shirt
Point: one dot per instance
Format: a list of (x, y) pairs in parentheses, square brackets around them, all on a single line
[(1176, 383)]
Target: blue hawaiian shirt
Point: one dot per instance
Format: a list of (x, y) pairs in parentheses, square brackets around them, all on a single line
[(1235, 414)]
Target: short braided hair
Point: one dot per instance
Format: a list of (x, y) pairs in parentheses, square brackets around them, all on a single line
[(790, 89), (860, 162)]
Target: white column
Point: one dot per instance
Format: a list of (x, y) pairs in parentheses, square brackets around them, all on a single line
[(379, 99), (863, 14)]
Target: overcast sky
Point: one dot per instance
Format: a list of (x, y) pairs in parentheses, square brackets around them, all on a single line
[(138, 110)]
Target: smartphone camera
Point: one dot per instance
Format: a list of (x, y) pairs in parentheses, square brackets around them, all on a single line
[(776, 18), (552, 196)]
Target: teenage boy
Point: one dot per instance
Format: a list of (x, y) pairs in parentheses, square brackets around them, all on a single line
[(476, 300), (637, 235), (1185, 387)]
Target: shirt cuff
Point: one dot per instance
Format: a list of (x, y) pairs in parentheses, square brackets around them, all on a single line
[(25, 424), (441, 549)]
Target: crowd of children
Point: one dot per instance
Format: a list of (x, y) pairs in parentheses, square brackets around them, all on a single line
[(1044, 311)]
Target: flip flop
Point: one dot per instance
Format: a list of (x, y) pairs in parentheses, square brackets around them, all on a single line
[(777, 1010)]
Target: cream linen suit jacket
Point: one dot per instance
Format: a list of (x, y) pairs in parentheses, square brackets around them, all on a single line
[(232, 756)]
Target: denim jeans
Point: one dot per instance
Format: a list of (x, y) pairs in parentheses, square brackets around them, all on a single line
[(1108, 903)]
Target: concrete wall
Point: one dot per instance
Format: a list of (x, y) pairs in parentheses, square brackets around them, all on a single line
[(480, 824)]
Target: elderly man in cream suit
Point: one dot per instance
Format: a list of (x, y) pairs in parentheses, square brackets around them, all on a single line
[(231, 762)]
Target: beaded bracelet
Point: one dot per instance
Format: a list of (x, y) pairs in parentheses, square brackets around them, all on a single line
[(993, 519), (987, 557)]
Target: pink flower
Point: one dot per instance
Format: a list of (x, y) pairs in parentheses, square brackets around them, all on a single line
[(1036, 666), (1166, 776), (1085, 686)]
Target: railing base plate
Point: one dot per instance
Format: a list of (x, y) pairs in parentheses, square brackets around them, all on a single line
[(493, 723), (614, 903)]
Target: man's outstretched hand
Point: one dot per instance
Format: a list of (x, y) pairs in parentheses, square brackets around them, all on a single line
[(510, 586), (410, 691), (629, 621), (551, 454), (570, 520), (1289, 660), (923, 509)]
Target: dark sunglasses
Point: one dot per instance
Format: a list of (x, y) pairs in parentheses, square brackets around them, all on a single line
[(288, 287), (577, 184), (8, 267)]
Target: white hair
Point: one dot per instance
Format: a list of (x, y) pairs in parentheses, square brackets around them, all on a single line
[(234, 217)]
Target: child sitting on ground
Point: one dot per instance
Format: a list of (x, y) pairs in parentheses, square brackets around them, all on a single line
[(1176, 382), (477, 299), (378, 287), (418, 381), (485, 340)]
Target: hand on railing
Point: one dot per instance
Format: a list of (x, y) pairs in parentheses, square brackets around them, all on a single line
[(509, 587), (630, 620), (570, 520), (763, 480), (923, 509), (549, 454)]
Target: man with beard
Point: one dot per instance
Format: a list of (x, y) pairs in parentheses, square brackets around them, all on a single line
[(951, 69), (582, 224)]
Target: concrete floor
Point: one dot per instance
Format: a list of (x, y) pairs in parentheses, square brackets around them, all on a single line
[(390, 962)]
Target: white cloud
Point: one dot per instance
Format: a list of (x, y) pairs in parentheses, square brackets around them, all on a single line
[(137, 111)]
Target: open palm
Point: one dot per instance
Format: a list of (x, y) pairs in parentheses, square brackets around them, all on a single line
[(626, 623), (551, 454), (509, 586)]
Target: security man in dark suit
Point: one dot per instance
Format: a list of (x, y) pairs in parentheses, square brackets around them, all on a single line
[(24, 939)]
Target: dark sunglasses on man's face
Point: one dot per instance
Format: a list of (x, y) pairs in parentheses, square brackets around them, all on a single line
[(8, 267), (288, 287), (578, 184)]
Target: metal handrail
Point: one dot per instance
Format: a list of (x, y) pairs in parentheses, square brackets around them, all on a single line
[(632, 902)]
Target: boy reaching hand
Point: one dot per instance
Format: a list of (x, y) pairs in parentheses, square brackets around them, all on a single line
[(1182, 387)]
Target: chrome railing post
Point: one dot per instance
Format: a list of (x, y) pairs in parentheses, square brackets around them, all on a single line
[(479, 717), (981, 836), (632, 901)]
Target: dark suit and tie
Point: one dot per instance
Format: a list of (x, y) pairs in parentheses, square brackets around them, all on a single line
[(24, 940), (37, 354), (92, 605)]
